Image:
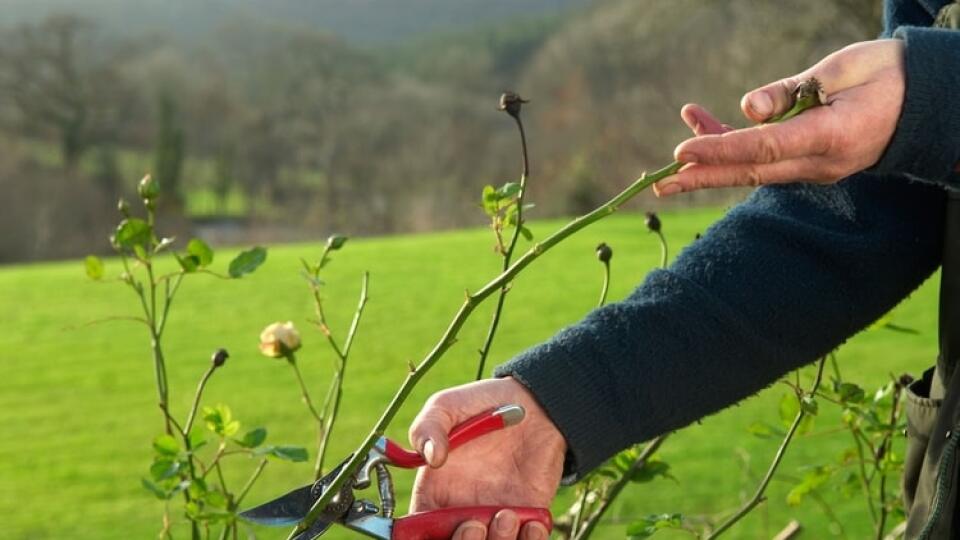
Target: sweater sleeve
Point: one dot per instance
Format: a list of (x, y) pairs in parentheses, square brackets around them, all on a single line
[(784, 278), (926, 143)]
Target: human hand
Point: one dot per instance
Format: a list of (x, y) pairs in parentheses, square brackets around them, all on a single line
[(517, 466), (864, 85)]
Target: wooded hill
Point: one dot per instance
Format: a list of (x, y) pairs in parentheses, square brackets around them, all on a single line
[(264, 112)]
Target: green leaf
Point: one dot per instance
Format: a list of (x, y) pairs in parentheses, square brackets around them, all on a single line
[(199, 249), (252, 438), (166, 445), (164, 468), (789, 407), (809, 405), (220, 420), (216, 499), (197, 488), (811, 481), (196, 438), (490, 200), (849, 392), (157, 491), (94, 267), (286, 453), (133, 232), (648, 526), (526, 234), (247, 262), (508, 190), (764, 430), (189, 263), (651, 470)]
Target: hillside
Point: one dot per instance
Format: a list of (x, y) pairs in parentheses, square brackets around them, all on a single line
[(368, 22), (78, 402), (258, 114)]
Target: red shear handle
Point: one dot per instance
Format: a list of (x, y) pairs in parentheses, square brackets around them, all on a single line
[(481, 424), (441, 524)]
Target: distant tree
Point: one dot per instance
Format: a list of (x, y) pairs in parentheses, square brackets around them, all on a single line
[(52, 81), (223, 176), (169, 146), (106, 172)]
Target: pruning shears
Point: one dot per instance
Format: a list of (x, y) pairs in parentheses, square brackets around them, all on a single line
[(369, 519)]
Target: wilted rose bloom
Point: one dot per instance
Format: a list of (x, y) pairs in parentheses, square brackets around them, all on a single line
[(279, 339)]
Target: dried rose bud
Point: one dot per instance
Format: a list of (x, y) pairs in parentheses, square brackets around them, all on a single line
[(511, 102), (653, 222), (279, 340), (219, 357), (604, 253)]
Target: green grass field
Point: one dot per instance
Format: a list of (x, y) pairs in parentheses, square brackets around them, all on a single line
[(77, 403)]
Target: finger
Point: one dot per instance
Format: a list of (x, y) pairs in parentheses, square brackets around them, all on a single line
[(700, 121), (470, 530), (775, 98), (428, 432), (533, 530), (713, 176), (505, 526), (808, 134), (842, 69)]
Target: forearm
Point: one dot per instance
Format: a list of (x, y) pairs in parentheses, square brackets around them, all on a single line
[(926, 143), (784, 278)]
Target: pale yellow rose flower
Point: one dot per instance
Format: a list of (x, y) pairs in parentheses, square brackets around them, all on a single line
[(279, 339)]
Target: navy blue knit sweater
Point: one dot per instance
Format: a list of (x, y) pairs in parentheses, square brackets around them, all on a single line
[(784, 278)]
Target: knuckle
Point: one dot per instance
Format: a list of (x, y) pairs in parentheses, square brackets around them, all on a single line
[(752, 176), (768, 148)]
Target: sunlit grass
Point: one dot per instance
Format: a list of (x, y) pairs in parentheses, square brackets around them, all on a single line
[(79, 405)]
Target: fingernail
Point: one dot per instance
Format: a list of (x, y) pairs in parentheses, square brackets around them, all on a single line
[(687, 157), (428, 451), (665, 190), (474, 532), (761, 104), (535, 531), (506, 522)]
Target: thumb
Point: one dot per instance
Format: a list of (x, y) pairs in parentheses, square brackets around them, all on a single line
[(429, 430), (767, 101)]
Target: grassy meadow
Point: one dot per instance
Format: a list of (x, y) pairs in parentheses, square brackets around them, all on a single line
[(78, 407)]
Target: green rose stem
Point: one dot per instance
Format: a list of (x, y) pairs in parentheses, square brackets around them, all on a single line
[(331, 406), (469, 304), (777, 458), (292, 360), (884, 450), (604, 254), (606, 285), (235, 504), (511, 103), (156, 323), (663, 249)]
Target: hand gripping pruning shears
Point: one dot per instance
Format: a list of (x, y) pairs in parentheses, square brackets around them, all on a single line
[(365, 517)]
